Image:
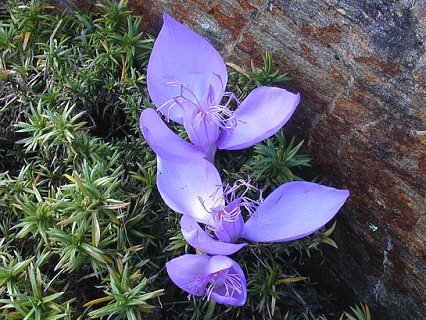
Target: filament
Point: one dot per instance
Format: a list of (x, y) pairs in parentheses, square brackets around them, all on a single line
[(230, 281), (213, 111)]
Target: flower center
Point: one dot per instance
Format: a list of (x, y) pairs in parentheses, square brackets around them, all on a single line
[(225, 283), (230, 213), (211, 109), (227, 220)]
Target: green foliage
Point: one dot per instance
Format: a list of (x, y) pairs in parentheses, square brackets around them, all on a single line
[(70, 195), (275, 159), (48, 128), (243, 80), (33, 303), (11, 271), (38, 217), (359, 313), (90, 60), (126, 296), (262, 286)]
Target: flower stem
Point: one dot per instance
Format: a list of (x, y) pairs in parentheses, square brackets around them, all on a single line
[(210, 310)]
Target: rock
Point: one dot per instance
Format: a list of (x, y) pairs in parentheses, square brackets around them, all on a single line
[(360, 67)]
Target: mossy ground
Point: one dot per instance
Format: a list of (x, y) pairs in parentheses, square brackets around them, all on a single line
[(84, 233)]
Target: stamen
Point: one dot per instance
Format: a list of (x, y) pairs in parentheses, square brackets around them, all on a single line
[(169, 108), (230, 281), (196, 283), (214, 112), (231, 194), (228, 207), (202, 203), (180, 99), (232, 215)]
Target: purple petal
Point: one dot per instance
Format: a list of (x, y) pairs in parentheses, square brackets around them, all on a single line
[(186, 186), (188, 272), (229, 231), (260, 115), (219, 263), (202, 132), (219, 278), (293, 211), (164, 141), (202, 241), (180, 56), (230, 287)]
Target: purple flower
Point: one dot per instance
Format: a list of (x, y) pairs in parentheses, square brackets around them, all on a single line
[(292, 211), (186, 81), (218, 277)]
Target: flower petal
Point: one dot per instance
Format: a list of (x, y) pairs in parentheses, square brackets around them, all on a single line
[(182, 56), (189, 187), (201, 240), (188, 272), (219, 263), (203, 133), (229, 230), (293, 211), (165, 142), (231, 289), (193, 272), (260, 115)]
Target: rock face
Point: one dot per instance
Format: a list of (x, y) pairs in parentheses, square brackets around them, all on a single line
[(360, 67)]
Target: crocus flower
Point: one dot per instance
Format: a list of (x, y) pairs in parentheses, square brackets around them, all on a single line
[(218, 277), (292, 211), (186, 80)]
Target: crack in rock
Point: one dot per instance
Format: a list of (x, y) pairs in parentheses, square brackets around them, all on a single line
[(379, 286)]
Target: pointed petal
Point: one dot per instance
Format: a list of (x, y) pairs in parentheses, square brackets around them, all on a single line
[(260, 115), (293, 211), (182, 56), (201, 240), (184, 186), (235, 291), (188, 272), (164, 141)]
